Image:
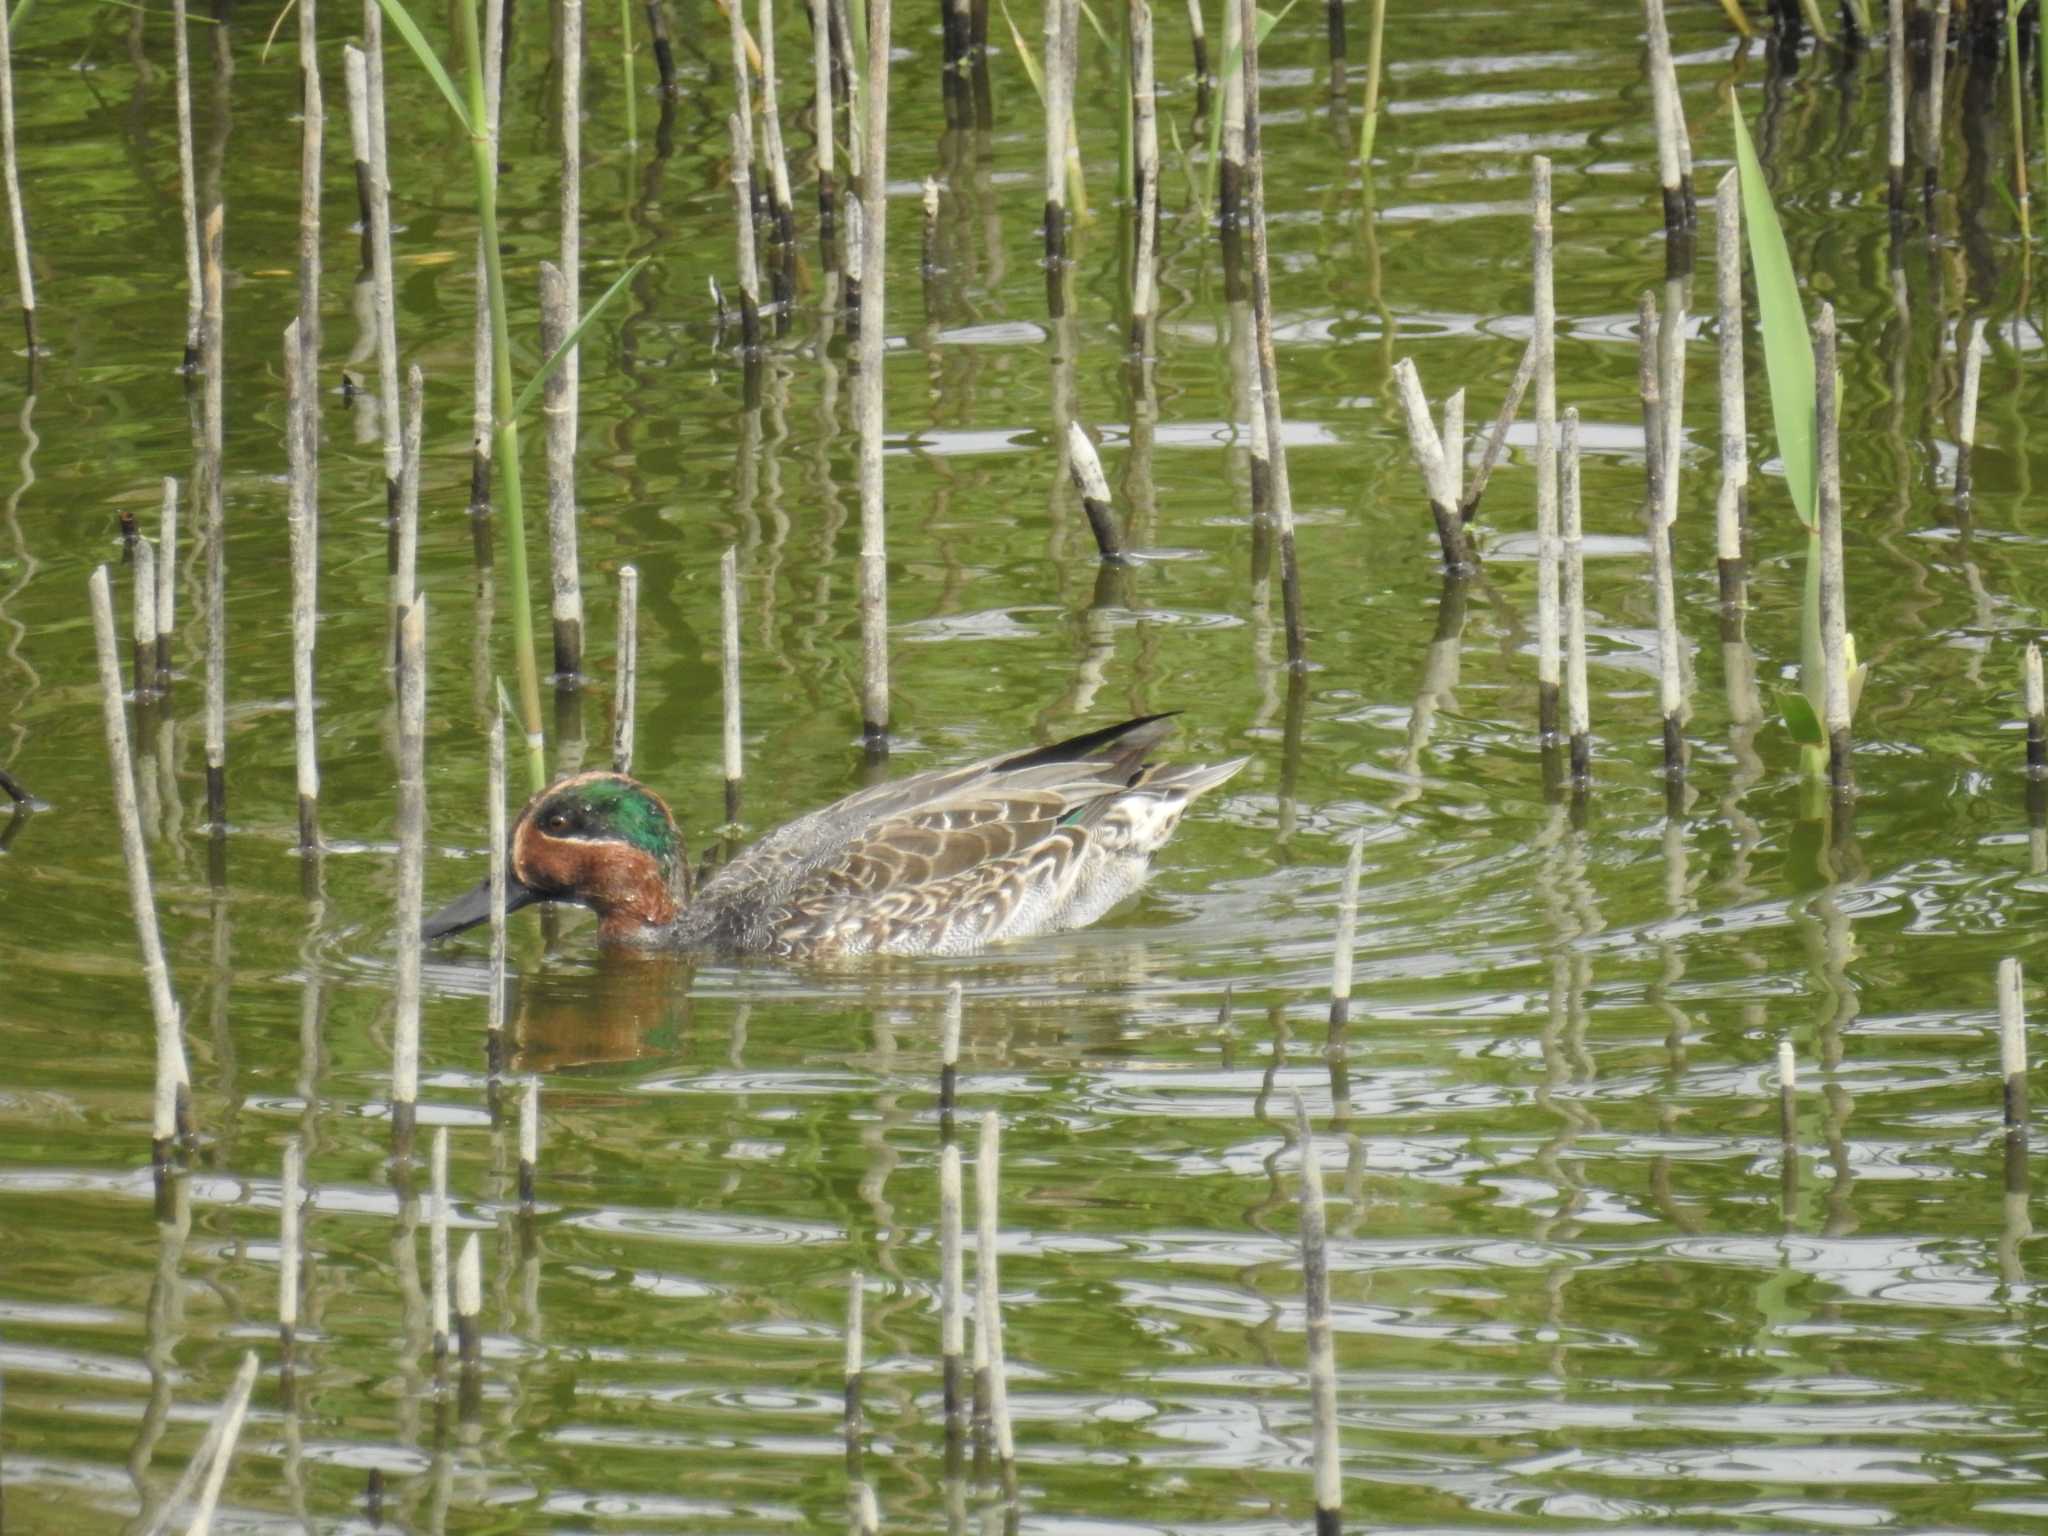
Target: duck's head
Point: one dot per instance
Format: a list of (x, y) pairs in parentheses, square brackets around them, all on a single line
[(601, 840)]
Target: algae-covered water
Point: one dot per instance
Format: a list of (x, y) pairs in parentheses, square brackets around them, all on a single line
[(1573, 1287)]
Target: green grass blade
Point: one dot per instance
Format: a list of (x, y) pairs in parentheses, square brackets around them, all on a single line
[(1025, 57), (533, 385), (429, 60), (1788, 353)]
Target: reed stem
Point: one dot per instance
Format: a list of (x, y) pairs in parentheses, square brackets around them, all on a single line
[(988, 1295), (303, 529), (365, 77), (212, 347), (412, 846), (166, 582), (483, 375), (2037, 712), (949, 1061), (1548, 678), (729, 677), (437, 1241), (558, 412), (1322, 1357), (874, 566), (226, 1431), (1731, 501), (1834, 613), (494, 820), (1966, 417), (1578, 714), (529, 1143), (951, 1310), (188, 187), (289, 1196), (625, 687)]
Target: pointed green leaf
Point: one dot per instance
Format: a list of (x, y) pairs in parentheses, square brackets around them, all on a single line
[(1025, 57), (533, 385), (1788, 351), (431, 61), (1800, 720)]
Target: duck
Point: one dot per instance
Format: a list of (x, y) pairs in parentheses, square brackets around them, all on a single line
[(946, 863)]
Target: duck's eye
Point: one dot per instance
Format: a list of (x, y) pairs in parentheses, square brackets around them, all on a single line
[(555, 821)]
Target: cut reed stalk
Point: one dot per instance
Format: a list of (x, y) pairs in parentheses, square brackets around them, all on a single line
[(469, 1304), (2037, 712), (1496, 440), (188, 186), (1145, 108), (143, 663), (1674, 154), (1434, 465), (1895, 113), (951, 1311), (437, 1241), (288, 1252), (625, 686), (949, 1062), (212, 346), (729, 677), (988, 1296), (741, 136), (1834, 613), (1058, 112), (781, 201), (874, 567), (412, 846), (482, 379), (558, 411), (312, 150), (1662, 509), (405, 569), (1262, 320), (494, 820), (17, 218), (305, 555), (1086, 471), (166, 583), (227, 1429), (1198, 37), (1453, 438), (172, 1106), (1548, 678), (1788, 1119), (365, 77), (825, 130), (1322, 1355), (1966, 417), (529, 1143), (1342, 955), (1732, 500), (1577, 707), (1230, 141), (563, 395), (2012, 1043)]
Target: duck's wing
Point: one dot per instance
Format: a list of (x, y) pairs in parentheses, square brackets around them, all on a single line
[(1001, 832)]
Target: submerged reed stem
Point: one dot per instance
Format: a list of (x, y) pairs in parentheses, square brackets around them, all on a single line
[(1322, 1357), (1577, 707), (729, 677)]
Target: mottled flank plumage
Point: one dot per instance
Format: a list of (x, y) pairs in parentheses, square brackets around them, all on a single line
[(942, 863)]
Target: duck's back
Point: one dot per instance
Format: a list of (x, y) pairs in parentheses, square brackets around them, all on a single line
[(948, 862)]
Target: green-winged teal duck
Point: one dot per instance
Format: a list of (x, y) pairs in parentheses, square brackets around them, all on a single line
[(941, 863)]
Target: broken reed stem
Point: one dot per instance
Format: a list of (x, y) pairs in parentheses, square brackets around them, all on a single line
[(781, 202), (988, 1296), (558, 412), (729, 677), (188, 186), (494, 820), (1547, 650), (855, 1296), (143, 665), (1145, 107), (166, 582), (741, 136), (951, 1309), (1834, 613), (874, 566), (312, 149), (17, 217), (1322, 1356), (1262, 319), (2037, 711), (1496, 440), (1577, 707), (437, 1241), (288, 1250), (1085, 469), (529, 1143), (1674, 155), (625, 686), (412, 847), (172, 1106), (301, 513), (469, 1304), (1434, 463), (1730, 502), (1966, 422), (227, 1429), (1058, 111), (366, 111), (482, 409), (1662, 501), (949, 1061), (1453, 438), (1895, 113), (405, 570), (212, 345), (2012, 1043)]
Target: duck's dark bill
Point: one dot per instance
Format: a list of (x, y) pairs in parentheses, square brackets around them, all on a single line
[(473, 907)]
